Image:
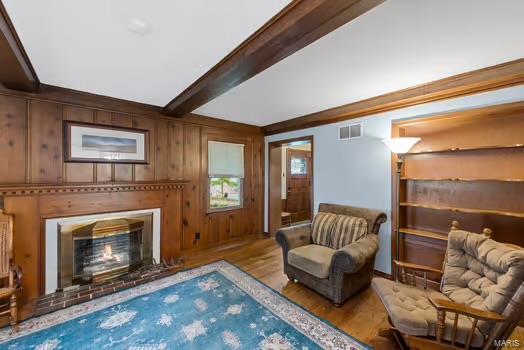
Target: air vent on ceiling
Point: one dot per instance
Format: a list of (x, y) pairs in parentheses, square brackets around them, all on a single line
[(348, 132)]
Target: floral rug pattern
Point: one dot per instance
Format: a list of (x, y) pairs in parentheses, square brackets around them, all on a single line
[(216, 306)]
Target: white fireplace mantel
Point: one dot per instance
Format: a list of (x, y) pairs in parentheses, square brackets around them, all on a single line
[(51, 239)]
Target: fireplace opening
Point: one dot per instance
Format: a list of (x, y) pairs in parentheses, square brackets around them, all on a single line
[(107, 248), (103, 249)]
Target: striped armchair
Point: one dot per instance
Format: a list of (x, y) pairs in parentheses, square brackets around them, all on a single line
[(10, 274), (335, 254)]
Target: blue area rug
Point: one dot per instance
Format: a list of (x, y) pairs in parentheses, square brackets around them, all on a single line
[(216, 306)]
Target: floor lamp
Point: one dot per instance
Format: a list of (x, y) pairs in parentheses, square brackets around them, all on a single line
[(399, 146)]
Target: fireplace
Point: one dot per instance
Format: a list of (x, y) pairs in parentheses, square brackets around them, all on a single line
[(106, 249), (91, 251)]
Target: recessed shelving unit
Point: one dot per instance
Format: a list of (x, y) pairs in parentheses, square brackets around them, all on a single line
[(468, 149), (470, 170), (424, 233), (463, 210)]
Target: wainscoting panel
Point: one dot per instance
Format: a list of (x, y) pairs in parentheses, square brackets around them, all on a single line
[(31, 158)]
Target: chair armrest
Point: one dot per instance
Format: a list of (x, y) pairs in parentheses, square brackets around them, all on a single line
[(353, 257), (416, 267), (402, 276), (476, 315), (451, 306), (293, 237), (15, 276)]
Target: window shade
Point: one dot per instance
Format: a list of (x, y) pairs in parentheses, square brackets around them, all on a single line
[(225, 159)]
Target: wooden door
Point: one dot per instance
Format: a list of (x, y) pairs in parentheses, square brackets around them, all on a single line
[(275, 188), (298, 181)]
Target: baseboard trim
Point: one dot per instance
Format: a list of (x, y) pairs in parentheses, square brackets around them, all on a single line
[(383, 274)]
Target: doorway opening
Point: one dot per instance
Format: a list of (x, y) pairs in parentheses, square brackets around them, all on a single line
[(290, 182)]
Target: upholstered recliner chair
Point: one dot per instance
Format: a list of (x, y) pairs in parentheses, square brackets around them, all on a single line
[(335, 254), (479, 303)]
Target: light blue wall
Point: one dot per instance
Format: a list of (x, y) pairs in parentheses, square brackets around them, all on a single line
[(358, 172)]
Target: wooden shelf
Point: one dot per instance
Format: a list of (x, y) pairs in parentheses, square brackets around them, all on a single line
[(468, 149), (463, 210), (423, 233), (460, 179)]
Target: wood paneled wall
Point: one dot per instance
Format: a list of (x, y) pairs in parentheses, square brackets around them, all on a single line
[(468, 167), (31, 153)]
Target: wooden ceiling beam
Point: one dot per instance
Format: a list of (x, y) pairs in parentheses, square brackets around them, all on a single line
[(16, 71), (485, 79), (296, 26)]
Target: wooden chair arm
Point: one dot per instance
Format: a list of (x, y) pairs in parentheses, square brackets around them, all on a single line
[(15, 276), (402, 276), (477, 315), (416, 267), (448, 305)]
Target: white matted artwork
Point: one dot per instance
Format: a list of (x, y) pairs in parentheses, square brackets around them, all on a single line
[(105, 144)]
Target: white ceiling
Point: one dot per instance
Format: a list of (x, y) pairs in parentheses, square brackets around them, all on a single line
[(399, 44), (86, 45)]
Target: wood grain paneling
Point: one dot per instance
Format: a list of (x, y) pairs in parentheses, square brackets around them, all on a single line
[(275, 188), (161, 159), (175, 169), (61, 205), (505, 228), (178, 152), (257, 223), (191, 212), (55, 94), (79, 172), (170, 243), (45, 133), (502, 195), (146, 172), (468, 167), (13, 139), (423, 251), (104, 172), (123, 172), (31, 211), (246, 215), (481, 164)]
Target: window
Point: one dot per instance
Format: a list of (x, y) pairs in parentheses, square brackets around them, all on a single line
[(226, 175), (225, 192), (298, 166)]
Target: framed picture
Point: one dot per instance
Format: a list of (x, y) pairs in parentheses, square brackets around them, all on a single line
[(95, 143)]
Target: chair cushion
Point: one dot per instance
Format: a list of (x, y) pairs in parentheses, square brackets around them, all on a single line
[(321, 228), (313, 259), (411, 312), (346, 230), (481, 273)]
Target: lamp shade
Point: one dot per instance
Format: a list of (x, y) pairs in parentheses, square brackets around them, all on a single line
[(401, 145)]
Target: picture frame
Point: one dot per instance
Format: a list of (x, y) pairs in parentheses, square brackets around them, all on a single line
[(99, 143)]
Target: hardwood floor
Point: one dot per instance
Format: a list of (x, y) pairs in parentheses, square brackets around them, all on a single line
[(361, 316)]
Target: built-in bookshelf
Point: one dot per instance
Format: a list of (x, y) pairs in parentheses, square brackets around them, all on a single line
[(468, 167)]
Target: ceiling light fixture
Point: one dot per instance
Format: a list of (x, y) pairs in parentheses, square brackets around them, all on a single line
[(138, 26)]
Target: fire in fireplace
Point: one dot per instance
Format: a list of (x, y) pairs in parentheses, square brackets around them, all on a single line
[(103, 250)]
